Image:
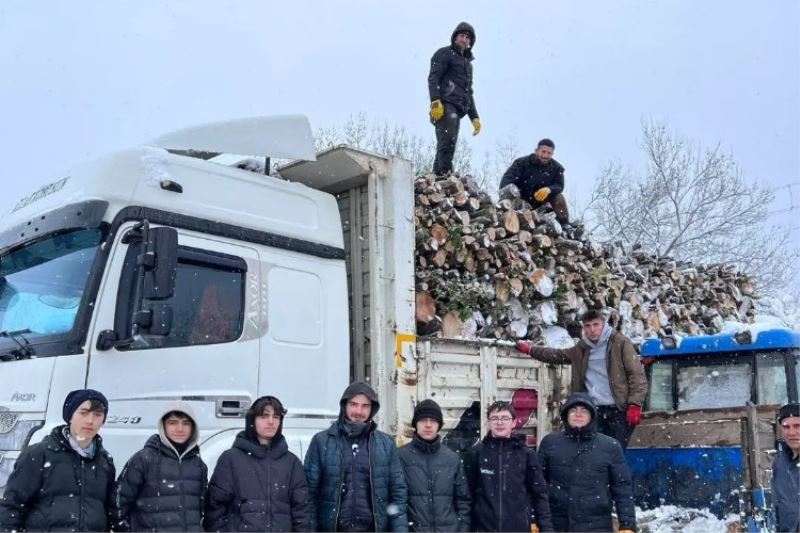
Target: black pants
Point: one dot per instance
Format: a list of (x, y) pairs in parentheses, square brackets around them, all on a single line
[(446, 139), (614, 423)]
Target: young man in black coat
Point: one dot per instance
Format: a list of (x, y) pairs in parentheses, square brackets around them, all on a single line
[(355, 479), (64, 482), (540, 179), (450, 90), (438, 493), (786, 470), (506, 479), (586, 473), (259, 485), (163, 486)]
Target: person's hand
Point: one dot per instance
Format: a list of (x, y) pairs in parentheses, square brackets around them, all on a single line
[(541, 194), (626, 531), (534, 528), (524, 347), (634, 415), (437, 110), (476, 126)]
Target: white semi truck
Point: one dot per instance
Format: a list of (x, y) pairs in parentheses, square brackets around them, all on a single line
[(154, 276)]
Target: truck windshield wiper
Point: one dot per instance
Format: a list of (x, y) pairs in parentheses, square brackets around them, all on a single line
[(25, 351)]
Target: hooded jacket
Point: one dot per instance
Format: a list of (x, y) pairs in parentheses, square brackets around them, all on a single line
[(159, 488), (325, 469), (625, 371), (507, 486), (786, 489), (450, 77), (586, 473), (258, 487), (53, 488), (438, 493)]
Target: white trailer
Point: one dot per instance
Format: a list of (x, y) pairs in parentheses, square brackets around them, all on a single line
[(154, 276)]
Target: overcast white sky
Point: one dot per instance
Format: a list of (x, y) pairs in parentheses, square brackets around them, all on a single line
[(81, 78)]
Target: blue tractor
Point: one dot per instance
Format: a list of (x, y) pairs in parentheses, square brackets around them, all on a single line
[(707, 438)]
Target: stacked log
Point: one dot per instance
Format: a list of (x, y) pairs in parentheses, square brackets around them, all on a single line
[(506, 270)]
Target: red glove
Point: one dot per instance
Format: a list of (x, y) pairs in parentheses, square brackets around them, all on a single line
[(523, 347), (634, 414)]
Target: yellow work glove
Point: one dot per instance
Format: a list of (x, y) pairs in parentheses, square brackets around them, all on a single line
[(542, 194), (476, 126), (534, 528), (437, 110)]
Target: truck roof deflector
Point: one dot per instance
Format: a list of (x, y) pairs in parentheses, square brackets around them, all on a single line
[(284, 136)]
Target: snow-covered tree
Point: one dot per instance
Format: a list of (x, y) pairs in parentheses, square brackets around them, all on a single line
[(693, 203)]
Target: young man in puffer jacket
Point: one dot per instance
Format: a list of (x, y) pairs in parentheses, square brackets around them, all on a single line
[(259, 485), (506, 479), (163, 486), (586, 473), (438, 493), (64, 482)]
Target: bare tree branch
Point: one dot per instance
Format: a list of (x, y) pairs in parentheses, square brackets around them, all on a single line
[(693, 204)]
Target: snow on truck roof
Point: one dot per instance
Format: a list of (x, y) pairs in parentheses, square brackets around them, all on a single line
[(744, 340), (137, 177)]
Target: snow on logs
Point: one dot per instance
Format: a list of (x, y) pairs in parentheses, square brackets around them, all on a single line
[(504, 270)]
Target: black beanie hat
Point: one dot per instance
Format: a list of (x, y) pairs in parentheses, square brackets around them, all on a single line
[(75, 398), (427, 409), (790, 409)]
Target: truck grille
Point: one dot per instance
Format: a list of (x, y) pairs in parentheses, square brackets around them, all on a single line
[(7, 421)]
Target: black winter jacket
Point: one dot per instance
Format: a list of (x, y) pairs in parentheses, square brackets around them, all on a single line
[(438, 493), (450, 77), (786, 489), (529, 174), (587, 474), (258, 488), (160, 491), (324, 468), (52, 488), (507, 486)]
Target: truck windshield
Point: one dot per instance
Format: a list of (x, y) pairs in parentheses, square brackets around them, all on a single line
[(41, 283)]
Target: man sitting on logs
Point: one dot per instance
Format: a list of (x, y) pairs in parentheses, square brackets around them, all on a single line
[(540, 179)]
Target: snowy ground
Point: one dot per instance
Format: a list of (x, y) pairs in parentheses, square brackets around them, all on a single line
[(669, 519)]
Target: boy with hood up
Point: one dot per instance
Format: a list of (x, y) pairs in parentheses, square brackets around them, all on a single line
[(64, 482), (258, 484), (163, 485), (355, 478), (586, 473)]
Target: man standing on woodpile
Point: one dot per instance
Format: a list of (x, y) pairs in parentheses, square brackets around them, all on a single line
[(604, 364), (450, 88), (540, 179), (586, 473), (786, 471)]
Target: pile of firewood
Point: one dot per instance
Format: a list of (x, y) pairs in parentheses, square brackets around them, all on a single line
[(505, 270)]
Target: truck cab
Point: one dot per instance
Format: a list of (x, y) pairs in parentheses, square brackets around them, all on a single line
[(708, 434), (156, 277)]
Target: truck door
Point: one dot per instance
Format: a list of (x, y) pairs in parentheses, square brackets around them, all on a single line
[(209, 356)]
